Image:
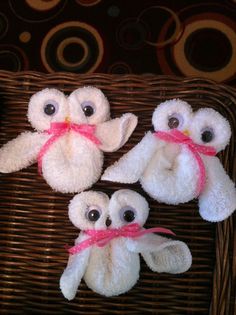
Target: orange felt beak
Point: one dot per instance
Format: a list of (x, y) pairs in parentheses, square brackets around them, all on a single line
[(67, 119), (186, 133)]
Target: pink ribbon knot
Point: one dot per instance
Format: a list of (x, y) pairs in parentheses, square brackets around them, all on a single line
[(176, 136), (102, 237), (58, 129)]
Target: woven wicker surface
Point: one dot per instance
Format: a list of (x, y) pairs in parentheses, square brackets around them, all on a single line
[(35, 226)]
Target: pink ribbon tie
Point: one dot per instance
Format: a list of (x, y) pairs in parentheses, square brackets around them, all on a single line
[(102, 237), (58, 129), (176, 136)]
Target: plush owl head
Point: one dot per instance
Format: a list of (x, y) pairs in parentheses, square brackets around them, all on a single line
[(90, 104), (172, 114), (89, 210), (205, 126), (209, 128), (126, 207), (86, 105), (94, 210)]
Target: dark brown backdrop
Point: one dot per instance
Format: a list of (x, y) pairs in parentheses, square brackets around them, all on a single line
[(185, 37)]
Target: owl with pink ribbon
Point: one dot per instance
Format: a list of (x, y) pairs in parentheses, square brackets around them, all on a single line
[(176, 163), (106, 253), (71, 134)]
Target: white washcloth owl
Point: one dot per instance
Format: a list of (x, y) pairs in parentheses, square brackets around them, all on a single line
[(106, 253), (71, 133), (176, 163)]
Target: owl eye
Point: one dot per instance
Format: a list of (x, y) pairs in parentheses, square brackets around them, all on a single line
[(207, 135), (175, 121), (127, 214), (93, 214), (50, 108), (88, 108)]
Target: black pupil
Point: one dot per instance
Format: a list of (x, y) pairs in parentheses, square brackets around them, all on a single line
[(129, 216), (173, 122), (93, 215), (88, 110), (49, 109), (207, 136)]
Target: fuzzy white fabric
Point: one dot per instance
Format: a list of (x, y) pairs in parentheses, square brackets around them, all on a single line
[(168, 108), (72, 163), (74, 272), (114, 133), (82, 203), (208, 117), (218, 200), (36, 116), (169, 173), (21, 152), (96, 97), (131, 166), (162, 254), (114, 269)]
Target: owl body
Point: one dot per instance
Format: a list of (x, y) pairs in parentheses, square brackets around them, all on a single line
[(177, 164), (72, 132), (172, 169), (72, 163), (110, 266)]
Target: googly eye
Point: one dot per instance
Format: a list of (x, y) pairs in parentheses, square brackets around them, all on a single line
[(88, 108), (175, 121), (207, 135), (127, 214), (93, 214), (50, 108)]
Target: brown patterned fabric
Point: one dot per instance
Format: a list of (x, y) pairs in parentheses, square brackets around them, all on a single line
[(164, 37)]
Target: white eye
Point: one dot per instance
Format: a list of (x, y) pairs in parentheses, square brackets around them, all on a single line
[(88, 108), (175, 121), (50, 107), (127, 214), (207, 135), (93, 213)]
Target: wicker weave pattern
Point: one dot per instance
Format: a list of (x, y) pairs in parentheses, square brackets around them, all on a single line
[(35, 225)]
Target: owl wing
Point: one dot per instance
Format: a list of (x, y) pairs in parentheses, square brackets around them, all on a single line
[(218, 200), (162, 254), (131, 165), (74, 271), (21, 151), (114, 133)]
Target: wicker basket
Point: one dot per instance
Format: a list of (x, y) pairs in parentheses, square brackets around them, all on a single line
[(35, 225)]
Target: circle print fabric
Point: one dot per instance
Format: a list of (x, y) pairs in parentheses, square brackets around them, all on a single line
[(207, 46), (72, 46)]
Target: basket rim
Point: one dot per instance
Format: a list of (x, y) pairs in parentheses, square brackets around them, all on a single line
[(149, 76)]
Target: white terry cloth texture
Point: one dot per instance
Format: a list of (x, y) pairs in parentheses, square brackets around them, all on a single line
[(73, 162), (114, 269), (169, 173)]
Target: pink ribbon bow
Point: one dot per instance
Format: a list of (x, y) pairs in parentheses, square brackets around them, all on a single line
[(102, 237), (176, 136), (58, 129)]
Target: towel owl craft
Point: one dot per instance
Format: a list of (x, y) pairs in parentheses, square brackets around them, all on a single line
[(177, 163), (106, 253), (71, 133)]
